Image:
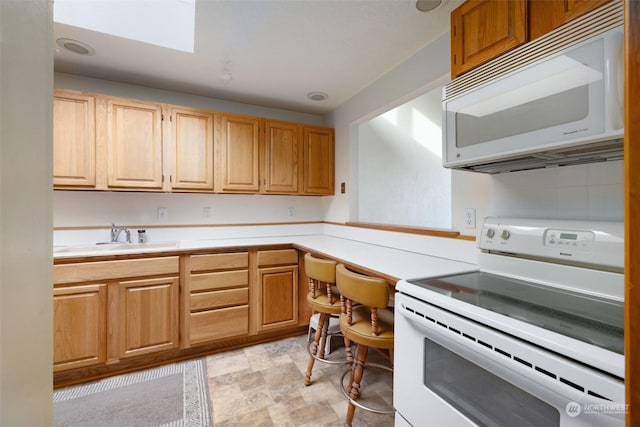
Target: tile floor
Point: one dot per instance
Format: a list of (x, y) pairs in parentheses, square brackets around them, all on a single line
[(263, 385)]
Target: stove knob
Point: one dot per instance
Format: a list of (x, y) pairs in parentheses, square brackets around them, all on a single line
[(505, 234), (490, 233)]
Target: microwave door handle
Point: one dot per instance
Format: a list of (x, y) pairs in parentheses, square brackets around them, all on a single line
[(614, 83)]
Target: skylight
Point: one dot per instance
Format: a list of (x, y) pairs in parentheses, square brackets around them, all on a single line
[(166, 23)]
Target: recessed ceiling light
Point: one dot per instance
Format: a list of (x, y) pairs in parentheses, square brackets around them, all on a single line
[(76, 46), (427, 5), (317, 96)]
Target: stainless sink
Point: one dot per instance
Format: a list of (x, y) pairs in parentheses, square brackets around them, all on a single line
[(111, 247)]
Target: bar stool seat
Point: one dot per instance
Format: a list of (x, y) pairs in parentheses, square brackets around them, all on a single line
[(365, 321)]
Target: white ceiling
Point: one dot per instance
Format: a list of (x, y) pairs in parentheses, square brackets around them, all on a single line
[(268, 52)]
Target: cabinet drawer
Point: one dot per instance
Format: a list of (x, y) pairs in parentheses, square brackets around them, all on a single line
[(216, 324), (219, 280), (219, 261), (105, 270), (277, 257), (217, 299)]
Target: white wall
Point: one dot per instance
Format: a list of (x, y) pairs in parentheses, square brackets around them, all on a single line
[(593, 191), (586, 192), (401, 178), (26, 90), (107, 87), (85, 208), (424, 71), (469, 190), (100, 208), (577, 191)]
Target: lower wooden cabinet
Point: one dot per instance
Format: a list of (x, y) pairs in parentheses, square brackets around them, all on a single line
[(108, 310), (146, 316), (218, 296), (111, 315), (276, 299), (79, 326)]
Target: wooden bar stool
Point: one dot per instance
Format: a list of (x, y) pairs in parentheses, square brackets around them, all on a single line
[(364, 320), (324, 300)]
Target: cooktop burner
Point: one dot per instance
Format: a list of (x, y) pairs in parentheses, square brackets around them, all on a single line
[(587, 318)]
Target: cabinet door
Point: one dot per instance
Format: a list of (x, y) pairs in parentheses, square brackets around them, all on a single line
[(134, 144), (318, 161), (278, 296), (147, 316), (484, 29), (282, 155), (74, 140), (545, 15), (79, 326), (192, 132), (238, 154)]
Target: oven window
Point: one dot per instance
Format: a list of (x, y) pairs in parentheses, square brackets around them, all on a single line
[(482, 397)]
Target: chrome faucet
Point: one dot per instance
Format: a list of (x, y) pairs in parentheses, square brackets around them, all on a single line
[(115, 233)]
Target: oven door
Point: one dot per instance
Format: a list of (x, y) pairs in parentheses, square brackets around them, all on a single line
[(452, 371)]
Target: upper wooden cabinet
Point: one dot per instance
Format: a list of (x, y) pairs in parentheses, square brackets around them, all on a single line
[(108, 143), (192, 149), (134, 144), (282, 157), (318, 161), (237, 151), (297, 159), (545, 15), (74, 139), (484, 29)]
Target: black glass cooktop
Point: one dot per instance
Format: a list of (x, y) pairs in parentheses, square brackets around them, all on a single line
[(587, 318)]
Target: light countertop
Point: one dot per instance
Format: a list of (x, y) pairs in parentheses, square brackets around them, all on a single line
[(387, 261)]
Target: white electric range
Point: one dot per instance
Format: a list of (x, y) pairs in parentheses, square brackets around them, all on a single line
[(533, 338)]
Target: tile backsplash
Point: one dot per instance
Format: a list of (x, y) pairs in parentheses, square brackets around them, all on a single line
[(585, 192)]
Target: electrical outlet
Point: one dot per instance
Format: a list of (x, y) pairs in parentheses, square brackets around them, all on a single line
[(290, 211), (470, 218), (163, 214), (206, 212)]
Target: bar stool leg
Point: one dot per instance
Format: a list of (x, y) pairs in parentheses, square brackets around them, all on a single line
[(347, 346), (322, 344), (323, 321), (355, 378)]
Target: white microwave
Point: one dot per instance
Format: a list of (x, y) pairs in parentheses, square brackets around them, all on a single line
[(558, 109)]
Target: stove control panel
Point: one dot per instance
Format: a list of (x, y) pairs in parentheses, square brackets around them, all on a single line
[(569, 239), (579, 242)]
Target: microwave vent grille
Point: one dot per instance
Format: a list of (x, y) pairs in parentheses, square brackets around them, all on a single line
[(590, 25), (602, 151)]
